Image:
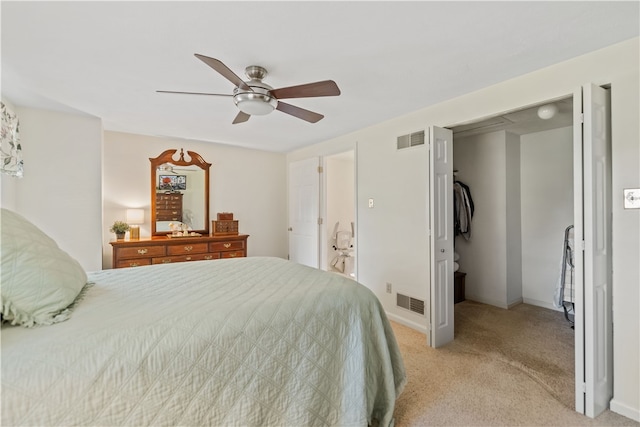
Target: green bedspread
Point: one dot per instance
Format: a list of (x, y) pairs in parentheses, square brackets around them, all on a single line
[(249, 342)]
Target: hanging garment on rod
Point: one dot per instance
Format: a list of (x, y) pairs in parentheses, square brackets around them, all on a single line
[(463, 209)]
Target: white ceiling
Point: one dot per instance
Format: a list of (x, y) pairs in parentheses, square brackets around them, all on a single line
[(107, 59)]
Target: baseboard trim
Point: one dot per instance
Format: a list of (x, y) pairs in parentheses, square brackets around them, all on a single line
[(543, 304), (624, 410), (514, 303), (408, 323), (487, 301)]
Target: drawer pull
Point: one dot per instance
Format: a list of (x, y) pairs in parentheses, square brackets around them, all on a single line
[(134, 264), (232, 255), (188, 258), (166, 261), (188, 248), (142, 251), (175, 212), (227, 245), (208, 257)]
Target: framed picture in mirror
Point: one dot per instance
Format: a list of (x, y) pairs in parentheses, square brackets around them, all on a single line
[(172, 182)]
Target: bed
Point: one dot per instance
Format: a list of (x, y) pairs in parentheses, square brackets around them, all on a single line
[(254, 341)]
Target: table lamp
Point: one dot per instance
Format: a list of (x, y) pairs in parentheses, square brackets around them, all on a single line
[(135, 217)]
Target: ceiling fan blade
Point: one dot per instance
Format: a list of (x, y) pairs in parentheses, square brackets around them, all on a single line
[(309, 90), (225, 71), (192, 93), (300, 113), (241, 117)]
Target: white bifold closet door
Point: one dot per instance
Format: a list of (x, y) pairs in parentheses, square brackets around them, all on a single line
[(441, 236), (592, 222)]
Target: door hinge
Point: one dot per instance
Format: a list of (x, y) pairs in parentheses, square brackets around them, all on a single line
[(583, 387), (320, 169), (582, 245), (581, 117), (319, 221)]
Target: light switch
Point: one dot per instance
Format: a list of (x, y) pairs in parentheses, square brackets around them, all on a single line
[(632, 198), (370, 203)]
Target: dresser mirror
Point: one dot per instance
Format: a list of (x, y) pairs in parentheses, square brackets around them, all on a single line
[(179, 193)]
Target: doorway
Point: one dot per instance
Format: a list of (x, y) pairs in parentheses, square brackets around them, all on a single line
[(322, 203), (519, 170), (593, 224), (338, 246)]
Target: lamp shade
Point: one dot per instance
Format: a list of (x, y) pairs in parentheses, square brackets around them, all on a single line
[(255, 104), (135, 216)]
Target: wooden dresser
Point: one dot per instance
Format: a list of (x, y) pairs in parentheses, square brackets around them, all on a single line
[(162, 249), (168, 207)]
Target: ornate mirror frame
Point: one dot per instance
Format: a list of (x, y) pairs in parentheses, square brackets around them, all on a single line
[(166, 157)]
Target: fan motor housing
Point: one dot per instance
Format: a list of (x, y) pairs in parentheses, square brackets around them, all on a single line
[(259, 102)]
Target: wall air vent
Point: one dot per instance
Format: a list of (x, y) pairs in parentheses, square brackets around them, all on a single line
[(411, 140), (410, 303)]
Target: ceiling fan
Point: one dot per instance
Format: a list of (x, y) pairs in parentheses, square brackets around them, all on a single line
[(167, 168), (254, 97)]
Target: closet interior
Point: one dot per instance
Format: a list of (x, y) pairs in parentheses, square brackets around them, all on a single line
[(518, 168)]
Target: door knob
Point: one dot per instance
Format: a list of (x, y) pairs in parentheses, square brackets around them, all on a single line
[(441, 250), (290, 229)]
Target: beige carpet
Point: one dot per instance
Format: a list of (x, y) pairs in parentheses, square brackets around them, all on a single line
[(505, 367)]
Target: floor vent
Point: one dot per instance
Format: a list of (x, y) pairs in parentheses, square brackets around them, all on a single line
[(411, 140), (410, 303)]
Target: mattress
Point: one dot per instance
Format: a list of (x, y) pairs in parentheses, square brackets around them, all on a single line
[(250, 341)]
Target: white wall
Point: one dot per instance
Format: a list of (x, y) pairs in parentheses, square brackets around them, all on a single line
[(393, 245), (547, 209), (249, 183), (481, 161), (61, 188), (625, 107), (391, 238), (395, 180), (513, 220)]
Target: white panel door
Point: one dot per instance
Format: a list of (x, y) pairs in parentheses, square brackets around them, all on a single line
[(593, 320), (578, 236), (304, 208), (441, 242)]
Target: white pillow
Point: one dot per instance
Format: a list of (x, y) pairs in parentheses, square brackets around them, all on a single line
[(39, 280)]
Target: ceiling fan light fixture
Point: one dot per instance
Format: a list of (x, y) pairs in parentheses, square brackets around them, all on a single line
[(545, 112), (254, 103), (256, 98)]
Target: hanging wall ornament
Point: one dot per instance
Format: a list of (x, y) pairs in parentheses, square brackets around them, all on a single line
[(10, 149)]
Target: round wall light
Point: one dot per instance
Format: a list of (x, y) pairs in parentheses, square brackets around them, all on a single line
[(545, 112)]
